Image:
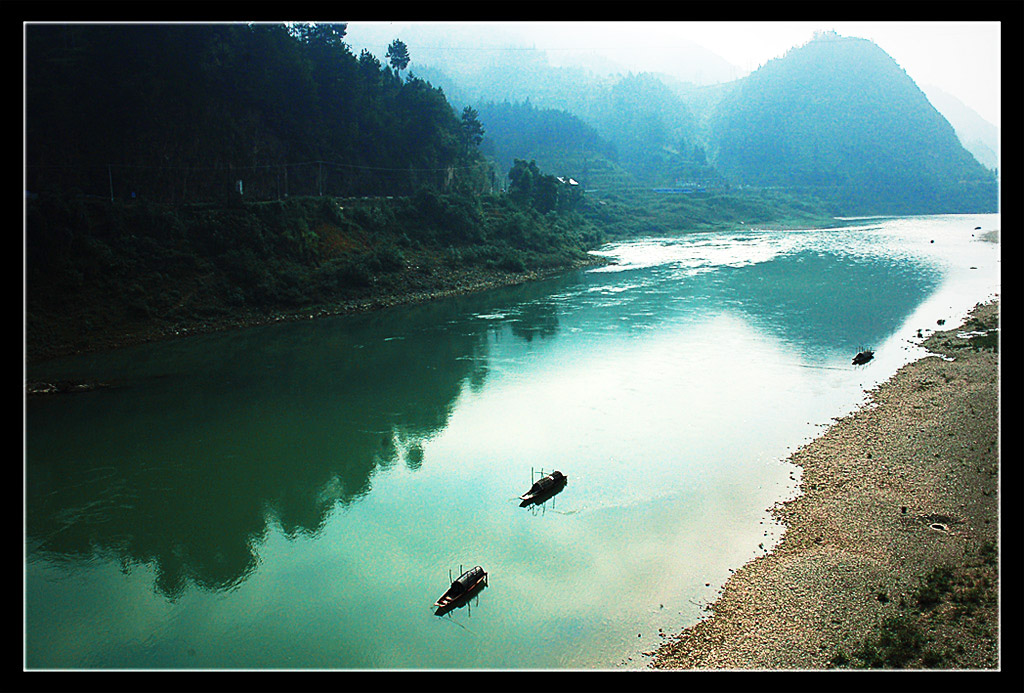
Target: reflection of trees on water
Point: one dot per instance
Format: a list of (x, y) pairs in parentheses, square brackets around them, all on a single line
[(183, 471), (811, 300), (538, 318), (823, 300)]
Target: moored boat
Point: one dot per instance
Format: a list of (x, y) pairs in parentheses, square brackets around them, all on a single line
[(863, 357), (544, 488), (462, 588)]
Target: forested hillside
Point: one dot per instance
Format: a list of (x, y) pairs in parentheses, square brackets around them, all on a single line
[(186, 177), (98, 273), (185, 112), (839, 118), (558, 141)]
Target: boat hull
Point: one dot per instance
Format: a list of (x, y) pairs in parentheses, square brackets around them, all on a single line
[(461, 591), (546, 491)]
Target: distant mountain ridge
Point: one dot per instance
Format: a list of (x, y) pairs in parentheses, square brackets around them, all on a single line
[(979, 137), (838, 117)]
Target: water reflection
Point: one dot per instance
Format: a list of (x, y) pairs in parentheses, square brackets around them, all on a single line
[(207, 442), (829, 301), (538, 318), (817, 297), (182, 468)]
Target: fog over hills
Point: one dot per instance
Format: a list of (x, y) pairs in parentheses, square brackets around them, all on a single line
[(836, 116), (979, 137), (469, 48)]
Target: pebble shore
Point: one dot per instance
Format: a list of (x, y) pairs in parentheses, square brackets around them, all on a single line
[(904, 488)]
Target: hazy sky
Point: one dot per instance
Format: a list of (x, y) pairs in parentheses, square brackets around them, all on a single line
[(961, 58)]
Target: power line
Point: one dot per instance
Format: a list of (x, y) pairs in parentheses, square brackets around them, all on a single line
[(254, 167)]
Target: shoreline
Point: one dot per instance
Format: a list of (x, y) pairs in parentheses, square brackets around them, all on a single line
[(889, 558), (455, 282)]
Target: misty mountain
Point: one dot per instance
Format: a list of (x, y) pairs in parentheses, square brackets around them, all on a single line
[(836, 117), (476, 64), (558, 141), (979, 137), (839, 118), (650, 125), (653, 130), (654, 133)]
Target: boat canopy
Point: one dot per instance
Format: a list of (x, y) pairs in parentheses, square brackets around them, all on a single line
[(462, 582)]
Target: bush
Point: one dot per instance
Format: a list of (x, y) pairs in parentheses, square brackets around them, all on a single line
[(387, 258), (510, 260), (343, 273), (934, 586), (242, 267), (898, 644), (989, 552)]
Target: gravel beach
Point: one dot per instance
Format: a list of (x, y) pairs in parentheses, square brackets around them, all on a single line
[(890, 555)]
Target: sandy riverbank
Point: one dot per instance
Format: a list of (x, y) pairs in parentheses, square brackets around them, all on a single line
[(889, 557)]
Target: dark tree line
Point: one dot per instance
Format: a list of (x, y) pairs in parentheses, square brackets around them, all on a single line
[(529, 186), (523, 131), (184, 112)]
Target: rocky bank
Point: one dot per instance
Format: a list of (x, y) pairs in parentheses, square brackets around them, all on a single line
[(890, 556)]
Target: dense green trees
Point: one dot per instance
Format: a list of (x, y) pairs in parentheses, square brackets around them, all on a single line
[(543, 192), (471, 127), (398, 55), (184, 112), (558, 141)]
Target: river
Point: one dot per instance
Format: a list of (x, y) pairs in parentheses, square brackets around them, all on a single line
[(298, 495)]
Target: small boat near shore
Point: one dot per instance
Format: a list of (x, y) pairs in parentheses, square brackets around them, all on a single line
[(544, 488), (863, 357), (462, 588)]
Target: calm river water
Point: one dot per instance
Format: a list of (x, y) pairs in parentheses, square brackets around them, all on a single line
[(297, 495)]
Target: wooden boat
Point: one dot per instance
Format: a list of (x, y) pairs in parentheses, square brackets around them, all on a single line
[(463, 587), (544, 488), (863, 357)]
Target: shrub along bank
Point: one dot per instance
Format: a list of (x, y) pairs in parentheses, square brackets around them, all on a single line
[(100, 272)]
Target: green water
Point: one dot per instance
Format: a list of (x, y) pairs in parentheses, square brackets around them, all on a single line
[(296, 496)]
